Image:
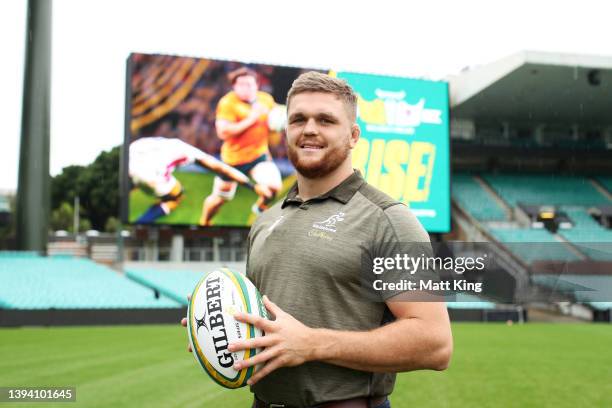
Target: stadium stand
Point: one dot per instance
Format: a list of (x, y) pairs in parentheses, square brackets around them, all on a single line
[(466, 301), (588, 235), (584, 287), (533, 244), (606, 182), (473, 198), (33, 282), (175, 284), (550, 189)]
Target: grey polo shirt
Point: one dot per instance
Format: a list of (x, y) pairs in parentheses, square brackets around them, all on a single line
[(307, 256)]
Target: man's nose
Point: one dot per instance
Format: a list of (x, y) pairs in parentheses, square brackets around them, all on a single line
[(311, 127)]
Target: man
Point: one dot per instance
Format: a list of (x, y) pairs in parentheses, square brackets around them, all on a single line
[(241, 123), (153, 161), (328, 345)]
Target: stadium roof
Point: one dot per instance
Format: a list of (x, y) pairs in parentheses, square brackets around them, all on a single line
[(536, 87)]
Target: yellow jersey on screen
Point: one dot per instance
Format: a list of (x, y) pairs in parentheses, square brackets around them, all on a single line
[(253, 142)]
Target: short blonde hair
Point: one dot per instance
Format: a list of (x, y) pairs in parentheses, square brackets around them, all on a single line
[(317, 82)]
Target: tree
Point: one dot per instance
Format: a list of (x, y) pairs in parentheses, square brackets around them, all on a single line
[(112, 224), (65, 186), (62, 217), (96, 185)]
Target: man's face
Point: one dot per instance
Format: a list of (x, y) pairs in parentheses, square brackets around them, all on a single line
[(245, 87), (320, 133)]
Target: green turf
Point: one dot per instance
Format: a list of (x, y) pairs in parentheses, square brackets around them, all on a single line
[(532, 365), (196, 187)]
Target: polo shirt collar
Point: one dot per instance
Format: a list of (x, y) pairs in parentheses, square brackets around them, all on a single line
[(343, 192)]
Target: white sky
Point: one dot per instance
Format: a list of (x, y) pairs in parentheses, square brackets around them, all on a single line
[(432, 38)]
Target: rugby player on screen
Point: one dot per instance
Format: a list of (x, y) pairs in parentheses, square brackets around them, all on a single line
[(154, 159), (241, 123)]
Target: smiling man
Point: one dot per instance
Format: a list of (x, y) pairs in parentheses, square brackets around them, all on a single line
[(328, 345)]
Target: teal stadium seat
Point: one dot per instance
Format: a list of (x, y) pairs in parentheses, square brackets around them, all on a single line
[(467, 301), (533, 244), (175, 284), (601, 305), (597, 288), (33, 282), (606, 182), (546, 190), (590, 237), (470, 196)]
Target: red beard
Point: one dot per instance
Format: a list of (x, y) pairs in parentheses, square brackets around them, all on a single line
[(331, 160)]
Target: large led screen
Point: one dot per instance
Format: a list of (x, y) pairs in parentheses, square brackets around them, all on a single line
[(205, 142)]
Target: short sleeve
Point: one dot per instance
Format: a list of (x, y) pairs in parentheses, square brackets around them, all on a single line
[(225, 110), (399, 253)]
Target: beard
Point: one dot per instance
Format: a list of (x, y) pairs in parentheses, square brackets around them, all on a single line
[(331, 160)]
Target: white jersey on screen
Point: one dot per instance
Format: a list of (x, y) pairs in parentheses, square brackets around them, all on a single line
[(153, 159)]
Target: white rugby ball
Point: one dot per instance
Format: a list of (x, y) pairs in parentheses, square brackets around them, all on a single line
[(277, 118), (211, 325)]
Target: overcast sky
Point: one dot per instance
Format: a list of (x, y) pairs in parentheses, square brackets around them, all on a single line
[(431, 39)]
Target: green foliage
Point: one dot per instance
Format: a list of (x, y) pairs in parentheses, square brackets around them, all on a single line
[(7, 226), (84, 225), (112, 224), (96, 185), (62, 217)]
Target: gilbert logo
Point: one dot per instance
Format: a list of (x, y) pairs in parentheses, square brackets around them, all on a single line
[(330, 223)]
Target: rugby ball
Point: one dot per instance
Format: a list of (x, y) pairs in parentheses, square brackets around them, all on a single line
[(277, 118), (211, 325)]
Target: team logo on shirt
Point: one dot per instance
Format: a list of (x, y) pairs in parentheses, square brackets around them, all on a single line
[(330, 223)]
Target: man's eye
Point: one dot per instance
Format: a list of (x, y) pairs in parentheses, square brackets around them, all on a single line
[(296, 120)]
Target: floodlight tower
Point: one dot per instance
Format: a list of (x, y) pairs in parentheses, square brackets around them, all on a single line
[(33, 190)]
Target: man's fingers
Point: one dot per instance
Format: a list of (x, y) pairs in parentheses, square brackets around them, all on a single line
[(272, 307), (189, 348), (263, 190), (189, 297), (258, 342), (257, 321), (258, 359), (184, 322), (267, 369)]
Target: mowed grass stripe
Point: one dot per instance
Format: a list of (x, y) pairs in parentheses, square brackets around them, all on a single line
[(86, 353), (493, 365), (517, 366)]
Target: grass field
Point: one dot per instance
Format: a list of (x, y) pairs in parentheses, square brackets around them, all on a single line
[(532, 365), (197, 186)]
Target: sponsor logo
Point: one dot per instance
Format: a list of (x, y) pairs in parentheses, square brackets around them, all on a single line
[(216, 324), (330, 223), (391, 113), (319, 234)]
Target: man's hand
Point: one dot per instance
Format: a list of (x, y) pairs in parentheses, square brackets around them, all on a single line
[(184, 324), (227, 129), (258, 109), (263, 191), (287, 342)]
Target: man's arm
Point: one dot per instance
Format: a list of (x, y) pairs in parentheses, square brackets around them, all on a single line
[(227, 129), (420, 338)]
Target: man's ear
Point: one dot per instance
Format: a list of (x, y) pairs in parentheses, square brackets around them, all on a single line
[(355, 134)]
